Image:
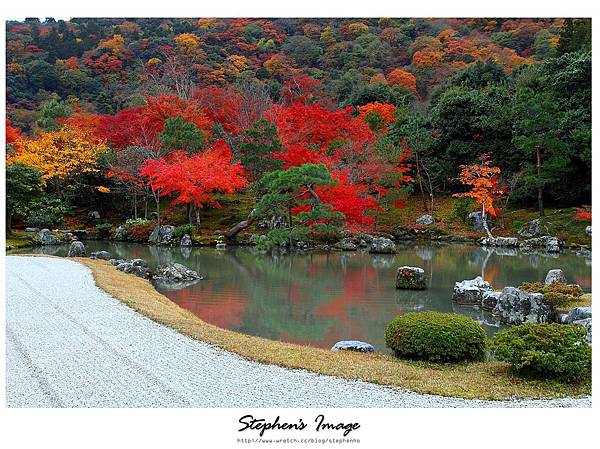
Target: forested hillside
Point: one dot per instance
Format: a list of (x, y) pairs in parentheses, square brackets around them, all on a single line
[(367, 111)]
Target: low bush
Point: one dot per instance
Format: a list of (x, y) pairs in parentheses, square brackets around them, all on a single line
[(545, 351), (564, 289), (103, 229), (462, 208), (46, 212), (436, 337), (182, 230)]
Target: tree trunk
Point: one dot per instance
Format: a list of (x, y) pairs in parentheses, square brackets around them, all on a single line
[(485, 223), (189, 208), (425, 205), (9, 217), (540, 195), (241, 226), (197, 211)]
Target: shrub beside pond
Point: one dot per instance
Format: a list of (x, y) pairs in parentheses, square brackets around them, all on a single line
[(545, 351), (436, 337), (562, 297)]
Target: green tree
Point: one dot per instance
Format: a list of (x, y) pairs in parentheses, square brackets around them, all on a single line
[(257, 148), (51, 111), (536, 134), (575, 35), (23, 186), (181, 135), (295, 187)]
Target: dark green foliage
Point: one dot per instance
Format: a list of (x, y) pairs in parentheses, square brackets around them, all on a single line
[(181, 135), (104, 229), (436, 337), (257, 148), (295, 187), (46, 212), (182, 230), (23, 186), (462, 208), (545, 351), (52, 110), (575, 35)]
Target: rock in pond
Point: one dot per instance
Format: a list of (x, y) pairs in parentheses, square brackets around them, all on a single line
[(425, 220), (577, 314), (555, 276), (352, 345), (490, 299), (382, 245), (175, 272), (411, 278), (346, 245), (470, 291), (511, 242), (105, 255), (186, 240), (77, 249), (45, 237), (162, 235), (221, 246), (531, 229), (548, 243), (516, 306)]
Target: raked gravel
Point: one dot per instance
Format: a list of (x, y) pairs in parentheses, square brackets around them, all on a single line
[(70, 344)]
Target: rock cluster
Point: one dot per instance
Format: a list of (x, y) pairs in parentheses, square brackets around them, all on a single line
[(516, 306), (45, 237), (510, 242), (352, 345), (346, 244), (175, 272), (532, 229), (139, 267), (547, 243)]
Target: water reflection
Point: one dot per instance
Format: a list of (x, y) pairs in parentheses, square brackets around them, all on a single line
[(319, 299)]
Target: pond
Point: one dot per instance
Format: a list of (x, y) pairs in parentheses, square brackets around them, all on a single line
[(320, 298)]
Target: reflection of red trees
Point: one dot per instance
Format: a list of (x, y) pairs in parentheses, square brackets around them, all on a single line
[(209, 306)]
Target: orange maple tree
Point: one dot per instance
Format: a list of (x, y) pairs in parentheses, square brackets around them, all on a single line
[(485, 188)]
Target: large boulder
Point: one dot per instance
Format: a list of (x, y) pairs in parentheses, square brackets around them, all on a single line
[(346, 245), (531, 229), (477, 220), (510, 242), (364, 239), (186, 240), (555, 276), (411, 278), (470, 291), (382, 245), (425, 220), (577, 314), (175, 272), (77, 249), (45, 237), (105, 255), (162, 235), (352, 345), (516, 306)]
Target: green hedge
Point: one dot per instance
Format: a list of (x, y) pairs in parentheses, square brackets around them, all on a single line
[(545, 351), (436, 337)]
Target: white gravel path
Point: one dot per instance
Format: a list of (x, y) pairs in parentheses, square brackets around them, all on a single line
[(70, 344)]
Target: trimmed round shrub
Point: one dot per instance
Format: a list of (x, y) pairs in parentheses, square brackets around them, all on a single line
[(436, 337), (545, 351)]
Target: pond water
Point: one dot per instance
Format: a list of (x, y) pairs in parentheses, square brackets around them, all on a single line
[(320, 298)]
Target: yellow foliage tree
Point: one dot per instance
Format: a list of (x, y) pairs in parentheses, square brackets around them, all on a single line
[(187, 42), (59, 155)]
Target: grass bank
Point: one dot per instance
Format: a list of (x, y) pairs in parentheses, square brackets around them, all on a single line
[(489, 380)]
